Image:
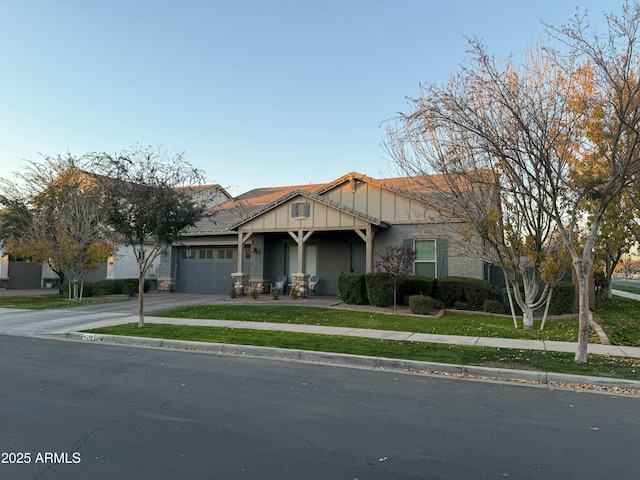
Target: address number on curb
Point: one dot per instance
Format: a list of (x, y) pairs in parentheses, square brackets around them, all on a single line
[(89, 337)]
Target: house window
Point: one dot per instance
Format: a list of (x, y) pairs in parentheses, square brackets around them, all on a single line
[(425, 263), (300, 210)]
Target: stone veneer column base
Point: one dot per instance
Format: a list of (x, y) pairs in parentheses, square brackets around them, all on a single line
[(300, 283), (241, 283), (166, 284)]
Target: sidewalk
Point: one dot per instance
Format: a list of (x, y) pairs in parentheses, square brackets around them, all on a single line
[(70, 323), (87, 317)]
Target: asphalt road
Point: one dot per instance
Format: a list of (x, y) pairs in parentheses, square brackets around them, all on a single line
[(94, 411)]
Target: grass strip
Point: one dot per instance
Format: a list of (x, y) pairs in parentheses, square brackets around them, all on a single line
[(43, 302), (469, 324), (534, 360)]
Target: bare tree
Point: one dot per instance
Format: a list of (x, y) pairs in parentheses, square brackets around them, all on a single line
[(148, 202), (562, 128), (460, 132), (396, 262)]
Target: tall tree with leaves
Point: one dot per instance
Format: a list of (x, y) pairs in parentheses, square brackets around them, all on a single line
[(52, 215), (148, 202)]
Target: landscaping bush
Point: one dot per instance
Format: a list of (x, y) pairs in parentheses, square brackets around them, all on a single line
[(461, 305), (379, 291), (108, 287), (87, 289), (493, 306), (352, 288), (563, 299), (130, 286), (472, 291), (424, 305), (415, 285)]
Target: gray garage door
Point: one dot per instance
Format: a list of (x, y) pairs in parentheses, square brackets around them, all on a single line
[(24, 274), (206, 269)]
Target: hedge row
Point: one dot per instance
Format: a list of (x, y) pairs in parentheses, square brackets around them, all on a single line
[(453, 292), (126, 286)]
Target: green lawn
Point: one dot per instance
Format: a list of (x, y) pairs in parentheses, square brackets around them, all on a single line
[(620, 318), (431, 352), (625, 288), (42, 302), (468, 324)]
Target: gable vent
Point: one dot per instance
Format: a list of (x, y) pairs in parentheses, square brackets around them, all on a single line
[(300, 210)]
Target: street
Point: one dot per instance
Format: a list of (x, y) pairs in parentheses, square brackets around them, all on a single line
[(91, 411)]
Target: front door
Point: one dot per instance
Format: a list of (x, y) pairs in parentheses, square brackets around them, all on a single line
[(358, 257)]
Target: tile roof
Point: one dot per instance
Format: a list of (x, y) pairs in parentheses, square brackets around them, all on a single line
[(235, 211)]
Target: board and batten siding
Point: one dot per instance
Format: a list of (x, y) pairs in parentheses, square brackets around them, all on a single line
[(321, 217), (382, 203)]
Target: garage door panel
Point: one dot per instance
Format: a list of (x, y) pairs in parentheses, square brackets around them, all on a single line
[(206, 270)]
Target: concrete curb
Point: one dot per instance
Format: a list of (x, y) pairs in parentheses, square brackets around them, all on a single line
[(555, 380)]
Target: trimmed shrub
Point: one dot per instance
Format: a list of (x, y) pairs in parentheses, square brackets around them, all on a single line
[(472, 291), (352, 288), (493, 306), (130, 286), (108, 287), (563, 299), (424, 305), (450, 290), (379, 291), (461, 305), (415, 285)]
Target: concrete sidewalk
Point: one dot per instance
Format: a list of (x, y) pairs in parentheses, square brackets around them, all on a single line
[(71, 322)]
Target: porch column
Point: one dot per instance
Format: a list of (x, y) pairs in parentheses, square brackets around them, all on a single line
[(300, 237), (367, 237), (242, 239)]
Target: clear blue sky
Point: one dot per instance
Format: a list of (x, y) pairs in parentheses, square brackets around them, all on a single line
[(257, 93)]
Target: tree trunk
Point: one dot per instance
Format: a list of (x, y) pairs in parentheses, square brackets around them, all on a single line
[(527, 318), (582, 276), (141, 300)]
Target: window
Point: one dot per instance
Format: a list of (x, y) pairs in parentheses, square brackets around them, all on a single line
[(425, 263), (206, 254), (225, 254), (188, 254), (300, 210)]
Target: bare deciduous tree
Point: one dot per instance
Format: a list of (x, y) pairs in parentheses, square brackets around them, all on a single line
[(396, 262), (148, 202), (562, 128)]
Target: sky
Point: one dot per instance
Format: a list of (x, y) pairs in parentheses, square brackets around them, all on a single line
[(256, 93)]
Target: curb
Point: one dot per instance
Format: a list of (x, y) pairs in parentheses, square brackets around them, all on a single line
[(554, 380)]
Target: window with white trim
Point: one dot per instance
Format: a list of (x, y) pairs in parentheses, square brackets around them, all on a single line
[(425, 262)]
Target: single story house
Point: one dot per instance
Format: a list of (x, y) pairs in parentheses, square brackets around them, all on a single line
[(317, 229)]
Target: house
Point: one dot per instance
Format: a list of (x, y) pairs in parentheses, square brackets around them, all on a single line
[(317, 229), (18, 274)]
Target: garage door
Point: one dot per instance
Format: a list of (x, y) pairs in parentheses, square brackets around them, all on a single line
[(24, 274), (206, 270)]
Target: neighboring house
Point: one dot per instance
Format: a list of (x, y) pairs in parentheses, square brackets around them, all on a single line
[(16, 273), (319, 229)]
